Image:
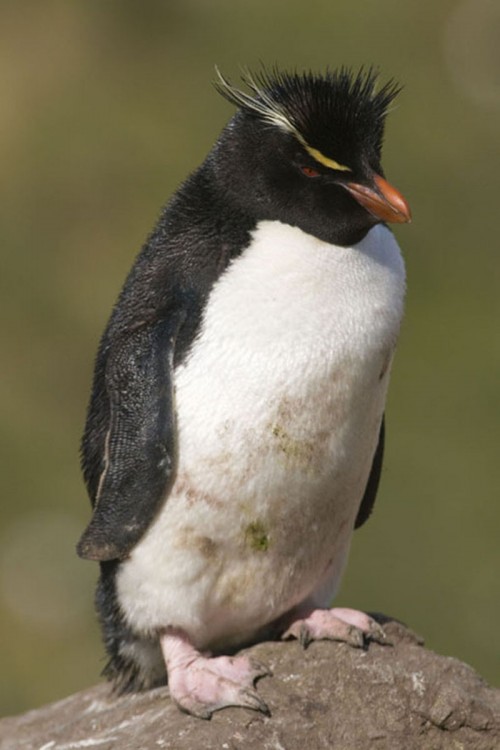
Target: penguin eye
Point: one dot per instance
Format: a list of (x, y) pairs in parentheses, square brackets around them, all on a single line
[(309, 172)]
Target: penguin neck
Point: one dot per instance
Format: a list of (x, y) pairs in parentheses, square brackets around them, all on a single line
[(342, 228)]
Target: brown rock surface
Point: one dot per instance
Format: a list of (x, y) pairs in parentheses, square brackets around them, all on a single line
[(400, 697)]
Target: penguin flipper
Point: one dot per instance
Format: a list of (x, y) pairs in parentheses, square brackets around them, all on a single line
[(370, 494), (140, 443)]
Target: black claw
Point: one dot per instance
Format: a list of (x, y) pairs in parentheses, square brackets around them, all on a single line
[(378, 635), (253, 701), (304, 636), (265, 709), (261, 670), (380, 638), (356, 637)]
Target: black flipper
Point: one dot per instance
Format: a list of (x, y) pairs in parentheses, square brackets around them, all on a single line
[(368, 500), (140, 445), (129, 444)]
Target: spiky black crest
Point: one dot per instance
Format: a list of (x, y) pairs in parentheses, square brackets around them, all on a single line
[(317, 109)]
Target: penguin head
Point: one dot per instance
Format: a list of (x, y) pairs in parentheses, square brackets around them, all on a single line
[(305, 149)]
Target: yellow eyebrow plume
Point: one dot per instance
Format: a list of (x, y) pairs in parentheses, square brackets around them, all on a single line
[(319, 157), (325, 160)]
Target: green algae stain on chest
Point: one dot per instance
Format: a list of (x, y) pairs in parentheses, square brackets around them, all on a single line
[(256, 537)]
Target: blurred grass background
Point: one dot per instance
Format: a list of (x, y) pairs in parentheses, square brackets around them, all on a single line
[(106, 106)]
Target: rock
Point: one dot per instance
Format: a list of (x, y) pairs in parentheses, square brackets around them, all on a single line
[(332, 696)]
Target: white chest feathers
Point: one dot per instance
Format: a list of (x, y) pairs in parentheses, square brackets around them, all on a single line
[(279, 406)]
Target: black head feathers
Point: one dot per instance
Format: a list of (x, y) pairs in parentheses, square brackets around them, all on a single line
[(332, 113)]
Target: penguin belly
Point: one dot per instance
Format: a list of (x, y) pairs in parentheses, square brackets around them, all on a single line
[(279, 405)]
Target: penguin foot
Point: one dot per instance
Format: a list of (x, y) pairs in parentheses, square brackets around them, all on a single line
[(337, 624), (200, 684)]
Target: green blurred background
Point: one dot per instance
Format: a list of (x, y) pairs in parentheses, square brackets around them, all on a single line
[(105, 107)]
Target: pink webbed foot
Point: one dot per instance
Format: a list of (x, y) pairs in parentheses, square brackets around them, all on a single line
[(338, 624), (200, 684)]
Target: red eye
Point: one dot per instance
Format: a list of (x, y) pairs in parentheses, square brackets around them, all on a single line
[(309, 172)]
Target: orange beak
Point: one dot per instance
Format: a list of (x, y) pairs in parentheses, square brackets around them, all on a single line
[(382, 200)]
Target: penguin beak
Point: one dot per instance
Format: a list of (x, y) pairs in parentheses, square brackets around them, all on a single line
[(380, 199)]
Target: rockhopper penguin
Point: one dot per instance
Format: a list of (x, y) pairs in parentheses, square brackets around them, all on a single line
[(235, 431)]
